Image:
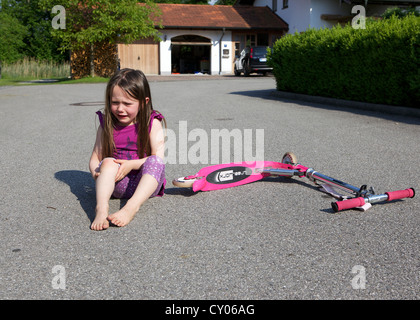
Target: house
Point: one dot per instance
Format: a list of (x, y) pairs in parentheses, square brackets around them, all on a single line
[(202, 38), (303, 14), (206, 39)]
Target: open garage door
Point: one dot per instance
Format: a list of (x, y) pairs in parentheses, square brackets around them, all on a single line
[(190, 54)]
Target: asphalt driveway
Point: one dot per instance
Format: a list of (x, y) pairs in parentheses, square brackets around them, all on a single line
[(273, 239)]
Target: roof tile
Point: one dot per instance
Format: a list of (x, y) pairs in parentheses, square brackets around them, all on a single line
[(219, 16)]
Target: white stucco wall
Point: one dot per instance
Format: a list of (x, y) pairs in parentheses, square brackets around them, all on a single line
[(297, 14), (214, 36), (304, 14), (319, 7)]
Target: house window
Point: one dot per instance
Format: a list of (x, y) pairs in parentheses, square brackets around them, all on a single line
[(262, 39), (285, 4), (250, 40), (274, 5)]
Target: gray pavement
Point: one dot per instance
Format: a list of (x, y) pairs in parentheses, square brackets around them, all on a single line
[(273, 239)]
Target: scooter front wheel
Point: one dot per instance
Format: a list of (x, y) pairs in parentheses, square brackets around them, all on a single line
[(289, 158)]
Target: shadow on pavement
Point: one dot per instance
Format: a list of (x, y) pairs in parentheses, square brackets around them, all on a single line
[(380, 111), (82, 186)]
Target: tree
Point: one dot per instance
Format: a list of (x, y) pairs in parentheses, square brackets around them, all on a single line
[(88, 22), (194, 1), (225, 2), (12, 34), (182, 1), (399, 13), (38, 40), (167, 1)]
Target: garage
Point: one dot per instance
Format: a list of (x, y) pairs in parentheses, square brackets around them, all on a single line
[(190, 54), (142, 54)]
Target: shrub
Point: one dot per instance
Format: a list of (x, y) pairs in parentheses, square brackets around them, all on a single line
[(379, 64)]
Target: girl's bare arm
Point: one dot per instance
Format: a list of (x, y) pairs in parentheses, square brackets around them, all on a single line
[(96, 156), (157, 139)]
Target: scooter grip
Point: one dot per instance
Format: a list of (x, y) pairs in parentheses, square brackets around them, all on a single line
[(400, 194), (348, 204)]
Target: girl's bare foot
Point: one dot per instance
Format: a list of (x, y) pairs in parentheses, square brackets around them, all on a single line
[(100, 222), (122, 217)]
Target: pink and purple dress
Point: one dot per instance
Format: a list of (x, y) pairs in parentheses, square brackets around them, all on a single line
[(125, 138)]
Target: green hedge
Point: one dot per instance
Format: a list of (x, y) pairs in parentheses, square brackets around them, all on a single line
[(378, 64)]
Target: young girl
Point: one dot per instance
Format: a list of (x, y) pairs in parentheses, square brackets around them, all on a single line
[(127, 159)]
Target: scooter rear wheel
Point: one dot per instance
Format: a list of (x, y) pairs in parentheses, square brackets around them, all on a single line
[(184, 182)]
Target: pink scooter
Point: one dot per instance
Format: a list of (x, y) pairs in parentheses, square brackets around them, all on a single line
[(235, 174)]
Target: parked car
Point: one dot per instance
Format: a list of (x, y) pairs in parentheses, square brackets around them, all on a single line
[(251, 60)]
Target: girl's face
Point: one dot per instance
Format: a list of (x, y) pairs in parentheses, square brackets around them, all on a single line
[(124, 107)]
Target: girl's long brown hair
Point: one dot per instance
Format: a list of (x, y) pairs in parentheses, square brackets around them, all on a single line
[(135, 84)]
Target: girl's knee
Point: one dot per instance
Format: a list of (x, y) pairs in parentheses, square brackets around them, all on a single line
[(154, 163), (155, 167), (154, 160), (108, 163)]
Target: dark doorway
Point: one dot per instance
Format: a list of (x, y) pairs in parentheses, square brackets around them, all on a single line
[(191, 54)]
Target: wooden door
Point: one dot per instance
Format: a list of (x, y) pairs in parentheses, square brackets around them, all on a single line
[(142, 55)]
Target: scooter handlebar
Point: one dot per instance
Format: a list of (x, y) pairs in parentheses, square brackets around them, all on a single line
[(400, 194), (360, 201), (348, 204)]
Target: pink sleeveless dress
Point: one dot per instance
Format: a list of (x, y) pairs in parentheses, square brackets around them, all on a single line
[(125, 139)]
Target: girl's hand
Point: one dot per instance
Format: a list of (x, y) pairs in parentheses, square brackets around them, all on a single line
[(95, 174), (125, 167)]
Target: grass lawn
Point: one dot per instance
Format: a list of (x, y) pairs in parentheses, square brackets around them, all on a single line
[(30, 82), (30, 71)]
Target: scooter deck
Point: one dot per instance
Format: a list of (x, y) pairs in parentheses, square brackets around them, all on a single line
[(230, 175)]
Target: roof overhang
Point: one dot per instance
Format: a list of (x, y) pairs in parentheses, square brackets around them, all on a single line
[(384, 2), (218, 17)]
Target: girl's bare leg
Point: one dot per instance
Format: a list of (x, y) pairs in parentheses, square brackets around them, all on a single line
[(105, 184), (147, 185)]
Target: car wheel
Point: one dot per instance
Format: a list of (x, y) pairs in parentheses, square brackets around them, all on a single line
[(235, 70), (247, 70)]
